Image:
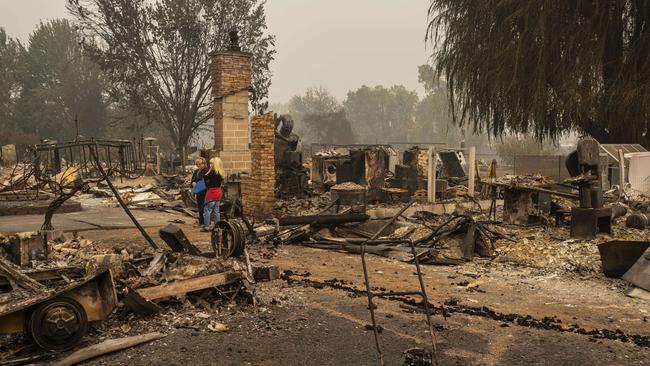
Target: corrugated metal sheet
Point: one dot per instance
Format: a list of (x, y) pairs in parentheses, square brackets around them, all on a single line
[(612, 149)]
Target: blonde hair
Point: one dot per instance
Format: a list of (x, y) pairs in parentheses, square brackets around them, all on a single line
[(200, 160), (217, 165)]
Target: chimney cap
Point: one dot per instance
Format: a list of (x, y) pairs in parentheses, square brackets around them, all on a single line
[(233, 47), (233, 36)]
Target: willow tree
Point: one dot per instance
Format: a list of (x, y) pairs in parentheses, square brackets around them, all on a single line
[(543, 67)]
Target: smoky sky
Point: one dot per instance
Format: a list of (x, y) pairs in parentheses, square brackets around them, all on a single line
[(339, 44)]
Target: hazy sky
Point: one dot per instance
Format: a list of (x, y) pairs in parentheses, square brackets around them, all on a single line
[(339, 44)]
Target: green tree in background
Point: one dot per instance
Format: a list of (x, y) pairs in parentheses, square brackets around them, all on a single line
[(433, 122), (309, 110), (381, 115), (156, 54), (515, 145), (316, 100), (546, 67), (330, 127), (59, 84), (11, 52)]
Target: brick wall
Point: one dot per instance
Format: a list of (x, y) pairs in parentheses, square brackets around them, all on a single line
[(231, 81), (258, 189)]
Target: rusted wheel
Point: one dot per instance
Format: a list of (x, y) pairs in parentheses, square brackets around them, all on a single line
[(228, 239), (58, 324)]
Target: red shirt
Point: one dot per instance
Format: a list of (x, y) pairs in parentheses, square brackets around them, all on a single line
[(213, 194), (213, 183)]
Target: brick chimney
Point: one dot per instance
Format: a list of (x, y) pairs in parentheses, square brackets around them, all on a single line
[(231, 82)]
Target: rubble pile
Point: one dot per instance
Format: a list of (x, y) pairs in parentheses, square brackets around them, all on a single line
[(438, 239), (302, 206), (535, 180), (15, 178), (362, 208), (187, 289), (141, 195), (637, 201), (444, 239)]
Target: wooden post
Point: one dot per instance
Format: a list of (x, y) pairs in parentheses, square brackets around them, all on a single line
[(431, 175), (158, 159), (471, 176), (621, 169)]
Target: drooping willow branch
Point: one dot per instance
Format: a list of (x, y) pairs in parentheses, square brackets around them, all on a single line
[(546, 67)]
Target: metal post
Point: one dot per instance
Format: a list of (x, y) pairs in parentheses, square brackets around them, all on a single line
[(621, 169), (425, 299), (431, 175), (158, 159), (57, 161), (471, 176)]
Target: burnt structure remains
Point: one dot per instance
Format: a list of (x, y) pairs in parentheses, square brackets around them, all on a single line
[(590, 218), (291, 176)]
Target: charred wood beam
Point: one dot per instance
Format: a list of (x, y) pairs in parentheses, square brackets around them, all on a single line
[(383, 250), (108, 346), (323, 219), (49, 274), (16, 277), (328, 240), (189, 285)]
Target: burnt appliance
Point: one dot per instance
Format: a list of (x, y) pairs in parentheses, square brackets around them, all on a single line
[(590, 218)]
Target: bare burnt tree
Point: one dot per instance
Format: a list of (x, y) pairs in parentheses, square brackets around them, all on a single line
[(156, 54)]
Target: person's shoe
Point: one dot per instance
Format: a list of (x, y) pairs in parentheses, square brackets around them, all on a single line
[(205, 229)]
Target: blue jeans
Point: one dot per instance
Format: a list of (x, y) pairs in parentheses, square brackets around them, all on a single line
[(211, 214)]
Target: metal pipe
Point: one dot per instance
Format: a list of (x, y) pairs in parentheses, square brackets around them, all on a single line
[(121, 202), (425, 298)]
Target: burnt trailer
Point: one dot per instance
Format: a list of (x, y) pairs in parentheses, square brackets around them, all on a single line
[(57, 319)]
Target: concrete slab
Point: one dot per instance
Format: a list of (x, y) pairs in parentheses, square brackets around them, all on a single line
[(93, 218), (35, 207)]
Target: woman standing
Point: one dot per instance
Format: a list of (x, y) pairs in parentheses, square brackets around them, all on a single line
[(213, 179), (197, 176)]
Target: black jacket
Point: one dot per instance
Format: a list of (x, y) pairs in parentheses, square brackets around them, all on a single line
[(198, 174), (212, 179)]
